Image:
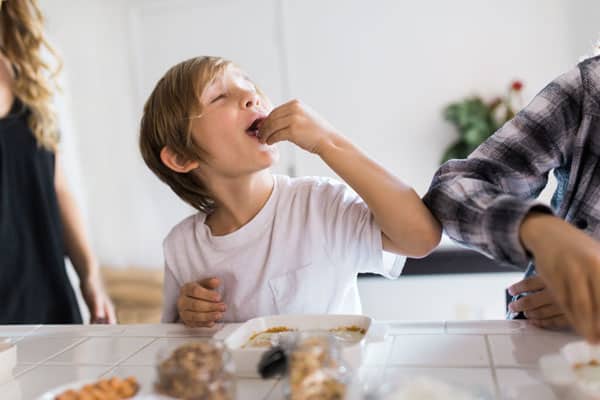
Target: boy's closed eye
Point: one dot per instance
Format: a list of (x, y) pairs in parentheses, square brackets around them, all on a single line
[(218, 97)]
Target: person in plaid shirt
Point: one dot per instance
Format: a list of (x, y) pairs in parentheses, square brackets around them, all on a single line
[(488, 201)]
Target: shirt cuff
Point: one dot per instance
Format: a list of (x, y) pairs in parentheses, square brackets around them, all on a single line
[(393, 264), (501, 224)]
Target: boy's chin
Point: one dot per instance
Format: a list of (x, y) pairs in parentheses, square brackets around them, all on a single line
[(271, 156)]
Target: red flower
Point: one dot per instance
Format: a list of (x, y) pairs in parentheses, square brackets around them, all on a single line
[(517, 86)]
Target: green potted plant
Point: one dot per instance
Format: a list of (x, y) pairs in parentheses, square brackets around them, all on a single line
[(475, 120)]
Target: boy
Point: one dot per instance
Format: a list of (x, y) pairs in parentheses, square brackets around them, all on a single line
[(271, 244)]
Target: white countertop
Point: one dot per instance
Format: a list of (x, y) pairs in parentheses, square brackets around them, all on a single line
[(497, 356)]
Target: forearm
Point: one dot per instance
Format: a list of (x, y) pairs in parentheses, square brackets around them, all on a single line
[(540, 230), (403, 218), (482, 203), (76, 244)]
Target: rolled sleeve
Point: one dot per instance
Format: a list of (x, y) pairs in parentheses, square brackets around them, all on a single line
[(481, 201), (502, 222)]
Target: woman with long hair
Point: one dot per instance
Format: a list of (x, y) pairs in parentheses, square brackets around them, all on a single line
[(39, 221)]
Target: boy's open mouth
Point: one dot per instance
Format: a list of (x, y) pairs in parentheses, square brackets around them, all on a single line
[(254, 127)]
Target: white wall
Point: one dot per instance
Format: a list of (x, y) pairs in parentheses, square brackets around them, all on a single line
[(381, 71)]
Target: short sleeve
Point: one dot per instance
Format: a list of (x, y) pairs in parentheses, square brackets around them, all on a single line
[(170, 295), (351, 233)]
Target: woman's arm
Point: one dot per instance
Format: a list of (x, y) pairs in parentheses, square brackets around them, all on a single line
[(80, 253)]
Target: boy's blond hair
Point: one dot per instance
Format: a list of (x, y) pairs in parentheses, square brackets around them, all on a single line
[(166, 121)]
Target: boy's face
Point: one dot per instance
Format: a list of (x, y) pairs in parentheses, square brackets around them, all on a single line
[(226, 130)]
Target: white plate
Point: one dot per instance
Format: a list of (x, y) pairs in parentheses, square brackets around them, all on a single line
[(424, 387), (246, 359), (51, 394), (559, 372), (77, 385)]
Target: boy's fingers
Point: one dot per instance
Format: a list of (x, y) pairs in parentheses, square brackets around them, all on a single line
[(273, 127), (209, 283), (278, 136), (195, 324), (196, 291), (530, 284), (201, 316), (191, 304), (283, 111), (275, 115), (286, 108)]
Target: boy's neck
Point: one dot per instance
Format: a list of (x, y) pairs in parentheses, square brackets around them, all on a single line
[(238, 201)]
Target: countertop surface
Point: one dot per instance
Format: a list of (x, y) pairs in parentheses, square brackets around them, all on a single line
[(496, 357)]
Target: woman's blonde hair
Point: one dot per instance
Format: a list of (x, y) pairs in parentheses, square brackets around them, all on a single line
[(22, 41)]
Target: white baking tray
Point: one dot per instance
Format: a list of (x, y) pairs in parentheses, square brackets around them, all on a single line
[(246, 359)]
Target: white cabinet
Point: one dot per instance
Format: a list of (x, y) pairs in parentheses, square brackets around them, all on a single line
[(437, 297)]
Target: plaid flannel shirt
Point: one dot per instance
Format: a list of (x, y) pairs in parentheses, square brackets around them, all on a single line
[(482, 200)]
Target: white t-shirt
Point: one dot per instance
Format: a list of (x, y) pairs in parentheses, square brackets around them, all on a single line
[(300, 254)]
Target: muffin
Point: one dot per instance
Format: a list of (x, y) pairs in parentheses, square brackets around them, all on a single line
[(197, 371), (316, 371)]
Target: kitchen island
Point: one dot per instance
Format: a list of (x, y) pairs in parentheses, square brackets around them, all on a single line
[(496, 357)]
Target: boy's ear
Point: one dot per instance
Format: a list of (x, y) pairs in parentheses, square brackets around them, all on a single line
[(176, 162)]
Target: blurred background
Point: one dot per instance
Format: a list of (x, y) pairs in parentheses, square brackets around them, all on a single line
[(382, 71)]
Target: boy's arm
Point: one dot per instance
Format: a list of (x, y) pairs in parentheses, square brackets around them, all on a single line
[(407, 225)]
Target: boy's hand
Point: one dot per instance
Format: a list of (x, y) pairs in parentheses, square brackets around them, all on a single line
[(539, 306), (199, 305), (296, 123), (569, 262)]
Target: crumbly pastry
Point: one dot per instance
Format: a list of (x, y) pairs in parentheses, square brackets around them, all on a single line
[(346, 335), (104, 389), (196, 371), (315, 372), (267, 338)]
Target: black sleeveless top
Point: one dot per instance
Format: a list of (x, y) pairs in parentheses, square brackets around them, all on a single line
[(34, 287)]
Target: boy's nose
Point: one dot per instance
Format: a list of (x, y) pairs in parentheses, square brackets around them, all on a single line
[(251, 100)]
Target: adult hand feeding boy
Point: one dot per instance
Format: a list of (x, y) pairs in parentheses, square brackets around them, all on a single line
[(199, 304)]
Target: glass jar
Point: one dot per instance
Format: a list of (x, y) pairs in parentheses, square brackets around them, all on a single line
[(200, 370), (316, 369)]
